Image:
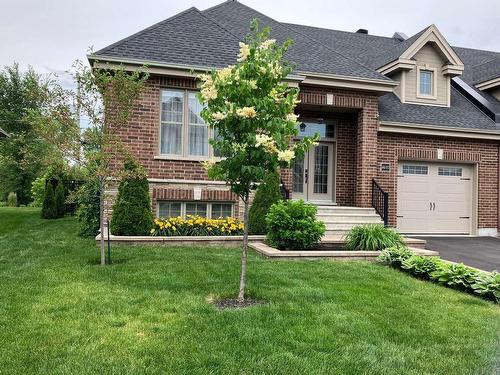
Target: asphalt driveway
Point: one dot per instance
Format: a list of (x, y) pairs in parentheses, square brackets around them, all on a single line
[(479, 252)]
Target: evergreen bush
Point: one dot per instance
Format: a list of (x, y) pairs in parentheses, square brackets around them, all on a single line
[(87, 213), (267, 194), (132, 214), (49, 210), (60, 198)]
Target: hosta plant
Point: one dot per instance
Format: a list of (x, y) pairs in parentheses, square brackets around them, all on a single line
[(372, 237), (421, 266), (394, 256), (456, 276), (488, 286)]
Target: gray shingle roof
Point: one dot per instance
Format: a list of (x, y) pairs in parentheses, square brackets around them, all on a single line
[(376, 51), (188, 38), (460, 114), (308, 54), (210, 38)]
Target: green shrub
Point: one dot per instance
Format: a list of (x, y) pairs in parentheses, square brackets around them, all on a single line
[(53, 200), (60, 198), (421, 266), (488, 286), (394, 256), (49, 210), (267, 194), (132, 211), (293, 225), (372, 237), (37, 191), (87, 213), (12, 199), (456, 276)]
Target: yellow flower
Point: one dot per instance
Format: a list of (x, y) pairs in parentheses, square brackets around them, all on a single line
[(286, 155), (246, 112), (244, 51), (267, 43), (292, 117), (225, 73), (174, 229), (152, 231), (217, 116)]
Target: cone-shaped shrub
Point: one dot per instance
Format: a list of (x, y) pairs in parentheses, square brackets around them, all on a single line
[(267, 194), (60, 198), (49, 209), (132, 211)]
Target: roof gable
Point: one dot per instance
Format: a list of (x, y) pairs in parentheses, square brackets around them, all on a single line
[(402, 56)]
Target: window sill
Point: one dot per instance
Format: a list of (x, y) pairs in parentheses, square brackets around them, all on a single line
[(428, 97), (181, 158)]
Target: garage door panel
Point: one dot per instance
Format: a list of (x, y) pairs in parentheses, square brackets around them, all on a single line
[(438, 200), (413, 225), (452, 226)]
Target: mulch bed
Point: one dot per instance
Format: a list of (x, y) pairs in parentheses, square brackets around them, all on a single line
[(225, 304)]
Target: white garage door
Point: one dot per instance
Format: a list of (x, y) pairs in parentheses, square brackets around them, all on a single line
[(434, 198)]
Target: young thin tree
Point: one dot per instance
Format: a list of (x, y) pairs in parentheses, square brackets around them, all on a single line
[(105, 97), (252, 112)]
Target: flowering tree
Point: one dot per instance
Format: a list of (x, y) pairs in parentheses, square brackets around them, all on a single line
[(251, 110)]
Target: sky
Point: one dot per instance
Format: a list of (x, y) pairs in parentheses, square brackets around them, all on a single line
[(51, 34)]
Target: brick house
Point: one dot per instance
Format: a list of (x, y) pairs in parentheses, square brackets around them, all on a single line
[(413, 122)]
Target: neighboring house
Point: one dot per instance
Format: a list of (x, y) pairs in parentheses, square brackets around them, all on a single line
[(416, 115)]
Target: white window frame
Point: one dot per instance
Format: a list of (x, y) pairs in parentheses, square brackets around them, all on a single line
[(183, 207), (434, 82), (413, 168), (185, 131)]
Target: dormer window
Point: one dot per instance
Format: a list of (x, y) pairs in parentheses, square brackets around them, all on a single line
[(426, 82)]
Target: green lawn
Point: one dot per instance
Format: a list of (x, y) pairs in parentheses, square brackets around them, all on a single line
[(148, 313)]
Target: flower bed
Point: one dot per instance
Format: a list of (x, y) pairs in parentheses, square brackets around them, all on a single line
[(456, 276), (197, 226)]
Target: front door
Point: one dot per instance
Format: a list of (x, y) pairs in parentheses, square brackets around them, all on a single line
[(313, 174)]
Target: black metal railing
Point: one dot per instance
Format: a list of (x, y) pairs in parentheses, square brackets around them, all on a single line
[(380, 202), (285, 193)]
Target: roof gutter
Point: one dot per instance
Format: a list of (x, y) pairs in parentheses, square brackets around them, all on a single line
[(155, 67), (437, 130)]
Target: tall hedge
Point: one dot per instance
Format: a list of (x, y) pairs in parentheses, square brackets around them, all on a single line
[(266, 195), (132, 214)]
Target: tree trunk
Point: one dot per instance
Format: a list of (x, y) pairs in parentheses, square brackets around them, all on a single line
[(101, 220), (244, 251)]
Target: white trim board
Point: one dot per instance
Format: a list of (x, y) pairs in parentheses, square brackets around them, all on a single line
[(436, 130)]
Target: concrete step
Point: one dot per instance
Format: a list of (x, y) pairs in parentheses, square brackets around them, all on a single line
[(340, 218), (345, 210), (344, 226)]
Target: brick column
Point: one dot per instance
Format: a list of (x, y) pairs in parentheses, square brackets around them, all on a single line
[(366, 153)]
